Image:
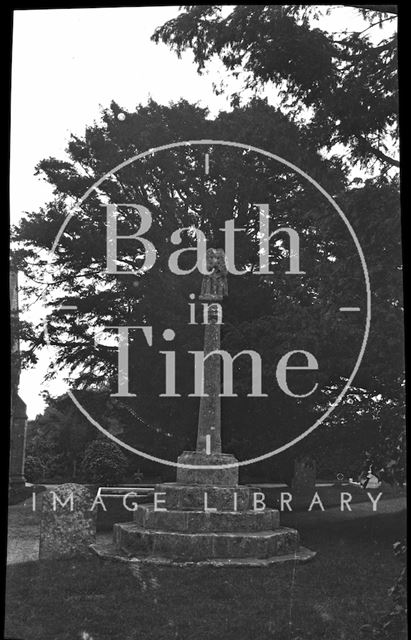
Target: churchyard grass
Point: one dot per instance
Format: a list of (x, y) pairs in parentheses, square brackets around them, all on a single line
[(329, 598)]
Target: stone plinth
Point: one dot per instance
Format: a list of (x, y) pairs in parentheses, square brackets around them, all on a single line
[(68, 526), (227, 477)]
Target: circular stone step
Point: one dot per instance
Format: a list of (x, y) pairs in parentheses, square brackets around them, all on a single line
[(133, 539), (108, 551), (203, 522)]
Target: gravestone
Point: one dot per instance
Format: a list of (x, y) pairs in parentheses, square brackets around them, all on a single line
[(68, 525), (304, 478), (230, 530)]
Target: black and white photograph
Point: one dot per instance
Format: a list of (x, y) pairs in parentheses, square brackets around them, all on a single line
[(207, 362)]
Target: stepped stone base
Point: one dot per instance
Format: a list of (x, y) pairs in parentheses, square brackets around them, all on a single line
[(212, 524), (108, 551), (133, 539), (204, 522)]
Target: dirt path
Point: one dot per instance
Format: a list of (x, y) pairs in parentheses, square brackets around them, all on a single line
[(23, 532)]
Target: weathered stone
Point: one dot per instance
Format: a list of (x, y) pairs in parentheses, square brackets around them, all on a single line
[(202, 522), (213, 289), (222, 477), (109, 551), (304, 478), (18, 424), (68, 530), (132, 539), (192, 497), (233, 521), (286, 543)]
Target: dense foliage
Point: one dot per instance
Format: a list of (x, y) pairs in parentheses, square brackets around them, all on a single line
[(271, 314), (34, 469), (104, 462)]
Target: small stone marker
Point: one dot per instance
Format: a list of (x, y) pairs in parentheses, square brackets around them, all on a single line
[(303, 481), (68, 526)]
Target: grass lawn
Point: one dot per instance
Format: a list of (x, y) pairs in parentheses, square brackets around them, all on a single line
[(344, 587)]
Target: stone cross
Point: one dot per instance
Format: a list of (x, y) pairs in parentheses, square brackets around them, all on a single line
[(213, 289), (207, 465)]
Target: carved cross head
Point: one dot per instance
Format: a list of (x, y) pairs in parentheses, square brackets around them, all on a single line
[(214, 286)]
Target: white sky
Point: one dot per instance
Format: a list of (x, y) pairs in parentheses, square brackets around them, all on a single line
[(66, 64)]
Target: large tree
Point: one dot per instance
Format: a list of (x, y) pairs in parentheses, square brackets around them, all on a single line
[(270, 314), (344, 85)]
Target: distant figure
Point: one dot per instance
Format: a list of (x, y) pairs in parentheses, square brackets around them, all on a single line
[(368, 480)]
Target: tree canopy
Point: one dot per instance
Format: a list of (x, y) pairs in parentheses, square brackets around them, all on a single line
[(260, 312), (332, 90), (345, 82), (343, 85)]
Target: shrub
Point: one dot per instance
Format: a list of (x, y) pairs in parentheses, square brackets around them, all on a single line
[(56, 466), (33, 469), (103, 463)]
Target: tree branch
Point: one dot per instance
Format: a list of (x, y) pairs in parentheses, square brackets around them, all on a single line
[(383, 8), (377, 152), (376, 24)]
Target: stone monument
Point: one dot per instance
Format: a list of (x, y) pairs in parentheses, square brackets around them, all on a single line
[(208, 452), (18, 415), (206, 516)]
